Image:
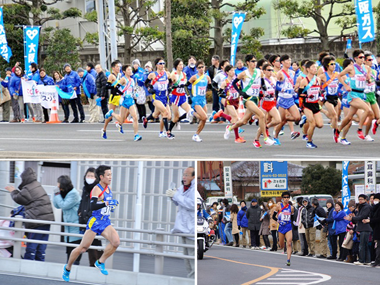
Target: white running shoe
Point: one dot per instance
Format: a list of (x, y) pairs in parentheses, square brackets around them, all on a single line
[(189, 115), (368, 138), (196, 138), (178, 126), (162, 135), (227, 133), (344, 141), (268, 141)]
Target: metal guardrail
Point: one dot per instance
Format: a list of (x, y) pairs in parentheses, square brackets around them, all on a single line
[(158, 252)]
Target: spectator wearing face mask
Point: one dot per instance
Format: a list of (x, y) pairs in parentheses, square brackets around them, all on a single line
[(265, 225), (273, 224)]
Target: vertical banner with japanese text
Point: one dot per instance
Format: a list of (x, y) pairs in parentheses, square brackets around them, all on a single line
[(364, 18), (5, 50), (227, 182), (370, 177), (237, 24), (346, 193), (31, 39)]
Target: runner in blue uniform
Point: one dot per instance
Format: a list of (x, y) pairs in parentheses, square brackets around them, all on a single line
[(283, 214), (101, 204)]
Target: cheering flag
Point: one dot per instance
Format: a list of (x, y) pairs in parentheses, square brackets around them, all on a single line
[(65, 95), (5, 50), (237, 24)]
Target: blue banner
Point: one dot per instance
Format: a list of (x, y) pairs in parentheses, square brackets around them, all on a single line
[(364, 18), (31, 39), (237, 24), (349, 45), (65, 95), (346, 193), (273, 175), (5, 50)]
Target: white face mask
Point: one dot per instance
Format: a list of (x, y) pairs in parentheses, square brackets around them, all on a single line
[(90, 180), (375, 202), (261, 207), (192, 65), (270, 204)]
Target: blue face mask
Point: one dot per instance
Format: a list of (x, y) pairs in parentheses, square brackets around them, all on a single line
[(147, 69)]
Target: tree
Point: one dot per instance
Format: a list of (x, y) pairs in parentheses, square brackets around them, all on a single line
[(376, 10), (221, 19), (168, 32), (191, 28), (319, 180), (62, 48), (323, 13)]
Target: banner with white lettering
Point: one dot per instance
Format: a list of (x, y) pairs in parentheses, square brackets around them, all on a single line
[(346, 193), (237, 24), (31, 39), (364, 18), (34, 93), (5, 50)]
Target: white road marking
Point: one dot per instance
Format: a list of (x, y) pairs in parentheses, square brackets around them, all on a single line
[(303, 277), (41, 139)]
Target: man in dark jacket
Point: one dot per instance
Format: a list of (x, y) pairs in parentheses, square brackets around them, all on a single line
[(253, 215), (329, 224), (363, 228), (101, 88), (320, 212), (307, 219), (37, 207), (375, 224)]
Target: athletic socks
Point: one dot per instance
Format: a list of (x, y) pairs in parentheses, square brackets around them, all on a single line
[(227, 117), (236, 130)]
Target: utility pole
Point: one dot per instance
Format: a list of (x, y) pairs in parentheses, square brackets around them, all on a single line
[(168, 28)]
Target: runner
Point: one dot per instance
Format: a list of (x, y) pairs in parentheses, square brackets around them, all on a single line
[(113, 84), (330, 84), (101, 205), (159, 82), (283, 213), (250, 90), (128, 102), (216, 83), (199, 82), (285, 86), (309, 91), (359, 74), (301, 76), (178, 97)]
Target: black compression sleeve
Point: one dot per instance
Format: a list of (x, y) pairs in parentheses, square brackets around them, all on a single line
[(274, 216), (94, 204), (300, 92)]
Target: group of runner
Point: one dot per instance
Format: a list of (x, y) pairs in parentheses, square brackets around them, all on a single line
[(273, 93)]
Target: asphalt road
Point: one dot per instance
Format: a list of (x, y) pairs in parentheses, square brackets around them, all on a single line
[(8, 279), (244, 266), (83, 141)]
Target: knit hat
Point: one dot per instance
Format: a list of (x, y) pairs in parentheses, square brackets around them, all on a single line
[(136, 61), (350, 226), (66, 64), (331, 201), (377, 196), (80, 69), (148, 64), (351, 203)]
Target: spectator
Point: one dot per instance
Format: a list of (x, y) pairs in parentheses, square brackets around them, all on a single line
[(273, 224), (375, 224), (235, 229), (37, 205), (6, 83), (340, 226), (84, 212), (148, 70), (91, 69), (350, 233), (331, 232), (89, 88), (184, 198), (36, 112), (239, 67), (57, 77), (212, 71), (253, 215), (295, 236), (371, 198), (215, 217), (307, 219), (45, 80), (16, 92), (221, 224), (320, 212), (301, 228), (227, 221), (243, 225), (138, 76), (264, 227), (68, 199), (190, 70), (5, 103), (363, 228), (101, 89)]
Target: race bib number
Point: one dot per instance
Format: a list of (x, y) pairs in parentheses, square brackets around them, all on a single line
[(106, 211), (269, 95), (255, 89), (180, 90), (332, 88), (162, 86), (202, 91), (371, 87), (285, 217), (234, 95), (360, 81), (313, 94)]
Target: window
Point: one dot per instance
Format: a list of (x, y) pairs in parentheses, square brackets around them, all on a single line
[(90, 6)]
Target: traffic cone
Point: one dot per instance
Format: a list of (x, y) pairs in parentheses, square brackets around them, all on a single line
[(241, 110), (128, 121), (54, 115)]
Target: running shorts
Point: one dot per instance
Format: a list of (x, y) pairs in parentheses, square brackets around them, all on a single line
[(128, 102), (352, 95), (371, 98), (285, 103), (162, 99), (332, 100), (232, 102), (285, 228), (268, 105), (114, 100), (314, 107), (198, 101), (178, 100), (254, 99), (98, 225)]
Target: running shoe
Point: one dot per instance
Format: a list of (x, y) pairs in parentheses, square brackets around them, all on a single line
[(256, 144), (65, 274), (137, 138), (368, 138), (335, 137), (310, 145), (170, 136), (288, 262), (22, 120), (145, 122), (119, 127), (104, 134), (101, 267), (344, 141), (108, 114), (374, 126), (162, 135), (303, 121), (267, 131), (196, 138), (276, 141), (178, 126), (227, 133), (281, 133), (217, 115), (354, 123), (305, 138), (360, 135), (294, 135), (190, 115), (240, 140), (34, 119), (212, 116), (268, 141), (241, 130)]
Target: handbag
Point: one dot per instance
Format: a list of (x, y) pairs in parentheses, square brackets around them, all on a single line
[(4, 95), (348, 241)]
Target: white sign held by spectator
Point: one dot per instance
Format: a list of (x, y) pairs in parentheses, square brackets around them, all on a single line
[(34, 93)]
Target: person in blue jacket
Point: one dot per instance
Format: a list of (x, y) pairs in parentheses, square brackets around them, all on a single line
[(90, 68), (190, 70), (45, 80), (89, 88), (242, 222), (138, 76), (36, 108), (71, 82), (340, 226), (329, 221)]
